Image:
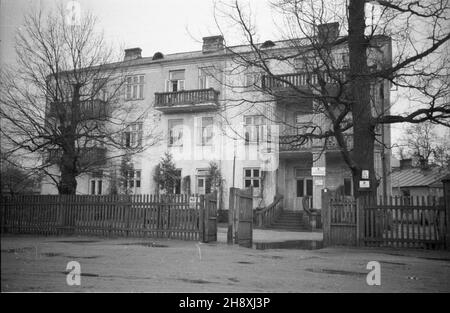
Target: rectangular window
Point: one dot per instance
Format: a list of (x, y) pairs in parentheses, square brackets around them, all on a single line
[(300, 188), (96, 187), (176, 132), (205, 75), (135, 87), (133, 181), (254, 128), (309, 187), (133, 135), (252, 177), (176, 81), (100, 90), (177, 184), (300, 64), (303, 123), (347, 186), (253, 79), (206, 131)]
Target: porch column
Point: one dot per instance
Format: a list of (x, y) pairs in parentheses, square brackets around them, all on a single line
[(319, 182)]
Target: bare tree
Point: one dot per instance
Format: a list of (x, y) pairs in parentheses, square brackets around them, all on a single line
[(422, 143), (64, 102), (347, 55), (14, 179)]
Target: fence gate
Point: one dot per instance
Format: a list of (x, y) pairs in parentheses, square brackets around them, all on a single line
[(339, 220), (240, 221), (210, 219), (411, 222)]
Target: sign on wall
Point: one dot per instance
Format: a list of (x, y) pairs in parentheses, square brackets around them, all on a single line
[(365, 174), (192, 202), (317, 171), (364, 184)]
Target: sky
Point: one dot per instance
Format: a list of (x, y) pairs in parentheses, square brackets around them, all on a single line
[(167, 26), (153, 25)]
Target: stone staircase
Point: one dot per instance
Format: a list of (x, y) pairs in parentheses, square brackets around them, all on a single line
[(291, 221)]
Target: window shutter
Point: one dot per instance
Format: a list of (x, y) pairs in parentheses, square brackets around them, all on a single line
[(141, 91), (181, 84), (128, 92), (168, 85), (198, 130)]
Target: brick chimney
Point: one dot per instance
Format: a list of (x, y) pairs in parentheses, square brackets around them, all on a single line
[(212, 44), (132, 54), (328, 32)]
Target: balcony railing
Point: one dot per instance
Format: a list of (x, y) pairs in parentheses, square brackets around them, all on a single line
[(192, 100), (87, 109), (292, 142), (94, 156), (304, 79), (332, 143)]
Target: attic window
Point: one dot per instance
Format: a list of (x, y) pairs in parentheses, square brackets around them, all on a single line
[(158, 56), (267, 44)]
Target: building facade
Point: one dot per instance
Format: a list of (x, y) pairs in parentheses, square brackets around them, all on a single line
[(206, 110)]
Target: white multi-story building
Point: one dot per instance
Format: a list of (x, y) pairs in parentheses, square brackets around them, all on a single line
[(207, 110)]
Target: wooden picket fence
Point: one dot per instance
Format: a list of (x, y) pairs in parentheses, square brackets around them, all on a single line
[(411, 222), (400, 222), (160, 216)]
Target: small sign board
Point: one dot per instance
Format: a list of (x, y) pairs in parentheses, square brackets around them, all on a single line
[(364, 184), (192, 202), (317, 171), (365, 174)]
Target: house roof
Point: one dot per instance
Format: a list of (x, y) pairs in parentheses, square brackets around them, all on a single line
[(417, 177)]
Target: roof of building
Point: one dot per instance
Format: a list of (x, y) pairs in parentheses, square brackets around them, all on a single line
[(417, 177), (231, 51)]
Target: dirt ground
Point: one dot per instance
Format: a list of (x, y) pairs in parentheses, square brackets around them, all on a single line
[(36, 264)]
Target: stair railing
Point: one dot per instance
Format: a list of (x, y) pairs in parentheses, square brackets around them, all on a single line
[(313, 216), (266, 216)]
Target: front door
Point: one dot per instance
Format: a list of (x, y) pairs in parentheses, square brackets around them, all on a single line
[(304, 188), (203, 185)]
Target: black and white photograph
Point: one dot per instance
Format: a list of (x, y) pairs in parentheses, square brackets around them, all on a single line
[(225, 151)]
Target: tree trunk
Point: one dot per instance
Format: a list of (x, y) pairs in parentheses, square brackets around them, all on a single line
[(363, 129), (68, 184)]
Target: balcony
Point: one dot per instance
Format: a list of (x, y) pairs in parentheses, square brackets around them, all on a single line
[(88, 109), (94, 156), (187, 101), (291, 142), (304, 79), (332, 144), (294, 143)]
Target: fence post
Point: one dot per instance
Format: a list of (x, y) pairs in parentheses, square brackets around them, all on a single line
[(205, 200), (446, 182), (326, 217), (231, 209), (360, 221), (200, 205)]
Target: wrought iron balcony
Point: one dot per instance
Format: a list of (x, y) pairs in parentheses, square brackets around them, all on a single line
[(291, 142), (332, 143), (187, 100), (87, 109), (304, 79)]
